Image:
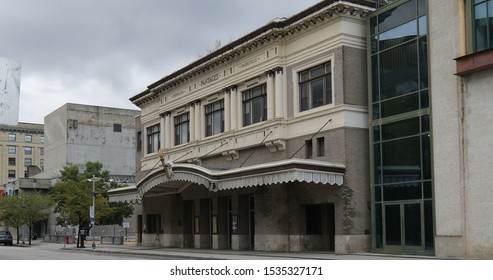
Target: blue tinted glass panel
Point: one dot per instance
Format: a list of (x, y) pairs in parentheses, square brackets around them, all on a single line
[(397, 16), (398, 35)]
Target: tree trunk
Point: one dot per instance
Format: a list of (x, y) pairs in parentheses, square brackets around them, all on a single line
[(17, 229)]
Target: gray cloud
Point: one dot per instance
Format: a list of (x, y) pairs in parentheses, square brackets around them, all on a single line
[(103, 52)]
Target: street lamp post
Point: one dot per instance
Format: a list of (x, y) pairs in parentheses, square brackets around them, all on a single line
[(92, 214)]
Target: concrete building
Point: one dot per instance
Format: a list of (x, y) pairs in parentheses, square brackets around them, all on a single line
[(461, 78), (265, 141), (76, 134)]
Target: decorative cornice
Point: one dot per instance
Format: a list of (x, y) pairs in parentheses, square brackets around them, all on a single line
[(274, 31)]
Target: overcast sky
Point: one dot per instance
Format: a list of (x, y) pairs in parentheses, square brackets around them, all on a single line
[(102, 52)]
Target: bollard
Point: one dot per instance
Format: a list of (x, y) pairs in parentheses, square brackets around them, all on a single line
[(67, 239)]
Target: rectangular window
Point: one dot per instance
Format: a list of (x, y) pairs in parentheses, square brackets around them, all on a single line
[(117, 127), (28, 138), (308, 149), (321, 146), (153, 144), (12, 137), (42, 163), (214, 118), (482, 24), (12, 149), (315, 86), (28, 162), (11, 174), (28, 150), (182, 129), (139, 141), (42, 139), (12, 161), (42, 151), (255, 105)]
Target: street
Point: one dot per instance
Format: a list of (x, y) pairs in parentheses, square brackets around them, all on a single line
[(40, 250)]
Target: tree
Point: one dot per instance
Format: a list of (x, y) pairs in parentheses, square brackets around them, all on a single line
[(73, 197), (10, 209), (28, 208), (35, 208)]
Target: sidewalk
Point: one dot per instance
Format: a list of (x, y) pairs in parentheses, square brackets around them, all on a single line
[(210, 254)]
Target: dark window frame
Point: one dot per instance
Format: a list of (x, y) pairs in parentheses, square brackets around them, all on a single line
[(213, 110), (182, 128), (117, 127), (250, 97), (308, 80), (153, 138)]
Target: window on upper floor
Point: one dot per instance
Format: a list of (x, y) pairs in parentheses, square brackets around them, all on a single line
[(12, 161), (214, 118), (28, 150), (28, 138), (321, 146), (182, 129), (153, 144), (42, 139), (482, 24), (309, 148), (255, 105), (12, 137), (117, 127), (28, 162), (12, 149), (139, 141), (11, 173), (42, 163), (41, 151), (315, 87)]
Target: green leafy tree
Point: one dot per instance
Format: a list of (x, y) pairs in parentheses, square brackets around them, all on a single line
[(35, 208), (10, 209), (26, 209), (73, 197)]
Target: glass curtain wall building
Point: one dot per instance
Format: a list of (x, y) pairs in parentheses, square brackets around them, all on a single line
[(400, 135)]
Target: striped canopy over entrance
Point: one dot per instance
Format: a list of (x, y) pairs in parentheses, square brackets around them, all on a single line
[(175, 177)]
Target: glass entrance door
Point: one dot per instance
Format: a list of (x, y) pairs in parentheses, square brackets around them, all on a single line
[(403, 225)]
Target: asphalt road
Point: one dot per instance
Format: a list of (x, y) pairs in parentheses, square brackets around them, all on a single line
[(52, 251)]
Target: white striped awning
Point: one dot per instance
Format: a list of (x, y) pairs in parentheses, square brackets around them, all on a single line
[(300, 170)]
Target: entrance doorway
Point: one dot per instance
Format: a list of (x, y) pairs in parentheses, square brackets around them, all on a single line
[(319, 227), (188, 224), (403, 226)]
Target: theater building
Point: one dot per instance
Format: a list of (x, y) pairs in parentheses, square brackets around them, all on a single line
[(265, 141)]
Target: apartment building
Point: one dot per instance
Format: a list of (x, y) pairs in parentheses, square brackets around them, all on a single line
[(21, 146)]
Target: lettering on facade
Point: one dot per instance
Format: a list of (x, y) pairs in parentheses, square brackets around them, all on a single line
[(249, 62), (210, 80), (178, 94)]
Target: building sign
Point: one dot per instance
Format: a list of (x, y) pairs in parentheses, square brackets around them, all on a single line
[(10, 190), (210, 80)]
